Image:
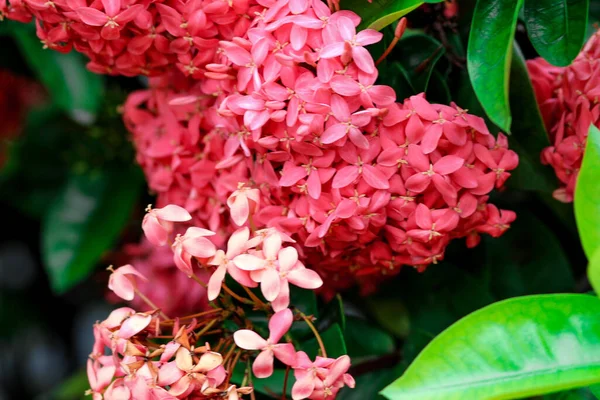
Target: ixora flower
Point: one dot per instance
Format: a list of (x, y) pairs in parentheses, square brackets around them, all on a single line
[(567, 98)]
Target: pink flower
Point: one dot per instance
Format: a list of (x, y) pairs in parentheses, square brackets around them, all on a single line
[(192, 243), (347, 32), (158, 222), (321, 379), (279, 324), (224, 262), (112, 19), (120, 282), (242, 202)]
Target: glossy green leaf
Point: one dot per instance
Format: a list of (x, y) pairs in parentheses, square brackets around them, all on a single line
[(557, 28), (489, 56), (381, 13), (84, 222), (593, 271), (390, 313), (73, 87), (515, 348), (587, 195)]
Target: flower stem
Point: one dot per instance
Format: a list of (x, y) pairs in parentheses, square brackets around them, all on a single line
[(249, 374), (150, 303), (285, 381), (312, 328), (254, 297), (195, 277), (235, 296), (206, 328)]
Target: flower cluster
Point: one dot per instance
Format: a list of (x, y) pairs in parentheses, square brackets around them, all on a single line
[(128, 37), (350, 204), (140, 367), (568, 100)]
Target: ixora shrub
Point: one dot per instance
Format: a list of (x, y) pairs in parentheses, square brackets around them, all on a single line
[(301, 151)]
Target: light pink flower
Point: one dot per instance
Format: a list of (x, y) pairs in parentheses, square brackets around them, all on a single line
[(158, 222), (192, 243), (120, 282), (279, 325), (242, 203)]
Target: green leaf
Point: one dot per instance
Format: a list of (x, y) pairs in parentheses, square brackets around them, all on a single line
[(271, 386), (363, 339), (391, 314), (367, 385), (381, 13), (557, 28), (305, 301), (587, 195), (418, 55), (529, 133), (73, 388), (84, 222), (75, 89), (593, 272), (334, 342), (489, 56), (527, 259), (515, 348)]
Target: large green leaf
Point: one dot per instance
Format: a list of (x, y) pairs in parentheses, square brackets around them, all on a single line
[(76, 90), (84, 221), (515, 348), (489, 56), (381, 13), (593, 272), (557, 28), (587, 195)]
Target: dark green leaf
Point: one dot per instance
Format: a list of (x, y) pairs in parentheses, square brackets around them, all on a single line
[(332, 313), (84, 222), (368, 385), (363, 339), (437, 90), (587, 195), (418, 54), (489, 56), (333, 339), (515, 348), (557, 28), (575, 394), (391, 314), (527, 259), (529, 134), (73, 388), (305, 301), (270, 386), (381, 13), (75, 89)]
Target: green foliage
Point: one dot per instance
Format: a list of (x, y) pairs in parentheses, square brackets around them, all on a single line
[(84, 222), (73, 87), (587, 195), (515, 348), (557, 28), (381, 13), (489, 56)]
